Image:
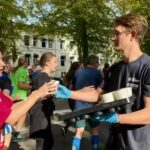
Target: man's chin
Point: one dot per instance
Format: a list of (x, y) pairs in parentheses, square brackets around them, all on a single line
[(117, 49)]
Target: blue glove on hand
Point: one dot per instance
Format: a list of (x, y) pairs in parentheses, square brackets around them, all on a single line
[(63, 92), (111, 117)]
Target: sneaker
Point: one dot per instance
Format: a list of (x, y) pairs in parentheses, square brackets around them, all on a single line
[(25, 129), (17, 138)]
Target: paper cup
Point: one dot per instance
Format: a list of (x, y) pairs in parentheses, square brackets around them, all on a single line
[(123, 93), (108, 97), (56, 82)]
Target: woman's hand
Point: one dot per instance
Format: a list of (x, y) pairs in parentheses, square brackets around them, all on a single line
[(45, 90)]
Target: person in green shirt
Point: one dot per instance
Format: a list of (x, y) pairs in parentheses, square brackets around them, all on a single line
[(20, 82)]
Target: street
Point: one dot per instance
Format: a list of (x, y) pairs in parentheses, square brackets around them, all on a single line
[(61, 142)]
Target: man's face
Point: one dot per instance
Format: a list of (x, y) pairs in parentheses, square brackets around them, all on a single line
[(8, 67), (25, 64), (121, 38)]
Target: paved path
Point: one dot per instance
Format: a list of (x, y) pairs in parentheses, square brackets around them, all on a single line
[(61, 142)]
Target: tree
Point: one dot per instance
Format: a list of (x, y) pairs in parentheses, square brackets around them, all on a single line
[(10, 25), (86, 23)]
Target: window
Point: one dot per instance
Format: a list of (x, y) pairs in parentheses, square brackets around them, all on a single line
[(62, 44), (72, 43), (43, 42), (35, 58), (26, 40), (27, 56), (35, 40), (50, 43), (71, 59), (62, 59)]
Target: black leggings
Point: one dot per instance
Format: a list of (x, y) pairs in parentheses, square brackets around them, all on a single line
[(44, 144)]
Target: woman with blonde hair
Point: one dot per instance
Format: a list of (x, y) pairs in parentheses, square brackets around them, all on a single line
[(40, 118)]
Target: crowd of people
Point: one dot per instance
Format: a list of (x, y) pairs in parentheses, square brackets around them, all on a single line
[(82, 87), (10, 112)]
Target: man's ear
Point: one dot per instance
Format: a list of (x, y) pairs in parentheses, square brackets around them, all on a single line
[(134, 34)]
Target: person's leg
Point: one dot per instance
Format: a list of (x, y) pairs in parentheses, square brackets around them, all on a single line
[(95, 138), (39, 144), (76, 140), (16, 134), (43, 144), (8, 135), (76, 143)]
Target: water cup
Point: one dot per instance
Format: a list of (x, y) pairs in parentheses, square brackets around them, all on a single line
[(56, 82), (123, 93), (108, 97)]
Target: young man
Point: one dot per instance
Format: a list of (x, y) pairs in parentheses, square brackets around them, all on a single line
[(133, 132), (89, 75)]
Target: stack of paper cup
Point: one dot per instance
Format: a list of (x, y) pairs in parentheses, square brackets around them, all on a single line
[(108, 97), (122, 93), (117, 95)]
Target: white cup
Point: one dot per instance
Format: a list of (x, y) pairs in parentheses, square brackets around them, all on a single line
[(123, 93), (108, 97), (56, 82)]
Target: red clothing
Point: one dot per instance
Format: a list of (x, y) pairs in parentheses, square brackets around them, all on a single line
[(5, 109)]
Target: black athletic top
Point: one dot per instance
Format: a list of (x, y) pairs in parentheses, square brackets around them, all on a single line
[(40, 122), (5, 82), (134, 74)]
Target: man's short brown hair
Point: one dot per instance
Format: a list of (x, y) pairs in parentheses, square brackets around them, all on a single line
[(134, 22)]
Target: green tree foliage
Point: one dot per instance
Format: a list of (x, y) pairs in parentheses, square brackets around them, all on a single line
[(10, 14), (86, 23)]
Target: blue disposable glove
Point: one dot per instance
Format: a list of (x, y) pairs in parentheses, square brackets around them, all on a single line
[(111, 117), (63, 92)]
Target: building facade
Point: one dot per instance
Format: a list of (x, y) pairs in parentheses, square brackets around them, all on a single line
[(32, 47)]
